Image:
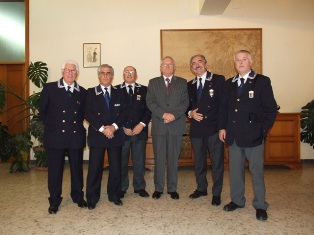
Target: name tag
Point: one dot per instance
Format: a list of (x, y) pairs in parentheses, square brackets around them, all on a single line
[(116, 105)]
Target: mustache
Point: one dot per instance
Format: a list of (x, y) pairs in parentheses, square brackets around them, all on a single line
[(198, 67)]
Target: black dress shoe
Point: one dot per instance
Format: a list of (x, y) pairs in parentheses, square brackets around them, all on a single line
[(261, 214), (216, 200), (157, 194), (117, 201), (142, 192), (197, 194), (231, 206), (174, 195), (91, 206), (121, 194), (82, 203), (52, 209)]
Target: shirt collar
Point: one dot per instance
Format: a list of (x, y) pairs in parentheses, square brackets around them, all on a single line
[(208, 76), (123, 85), (170, 77), (250, 75), (74, 86), (103, 88)]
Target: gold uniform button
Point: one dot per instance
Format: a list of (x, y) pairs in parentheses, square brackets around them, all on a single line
[(74, 131), (63, 131), (63, 111), (74, 122), (238, 99), (236, 110), (63, 121), (75, 112)]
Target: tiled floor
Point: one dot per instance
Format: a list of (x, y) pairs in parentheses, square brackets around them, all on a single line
[(24, 204)]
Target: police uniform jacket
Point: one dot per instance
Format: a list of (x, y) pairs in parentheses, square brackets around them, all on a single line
[(98, 115), (63, 116), (208, 105), (137, 109), (247, 118)]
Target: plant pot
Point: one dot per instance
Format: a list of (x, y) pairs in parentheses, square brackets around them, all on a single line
[(41, 157)]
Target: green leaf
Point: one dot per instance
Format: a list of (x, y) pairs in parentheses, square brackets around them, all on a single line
[(307, 123), (38, 73)]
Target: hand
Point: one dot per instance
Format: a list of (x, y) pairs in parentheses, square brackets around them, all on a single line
[(168, 117), (137, 129), (127, 131), (108, 131), (195, 115), (222, 135)]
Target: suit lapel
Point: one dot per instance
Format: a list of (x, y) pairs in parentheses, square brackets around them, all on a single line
[(100, 97)]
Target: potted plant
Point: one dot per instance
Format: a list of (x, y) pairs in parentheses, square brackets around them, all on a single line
[(21, 145), (5, 143), (307, 123), (37, 73)]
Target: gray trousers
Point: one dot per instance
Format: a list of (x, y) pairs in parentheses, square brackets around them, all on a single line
[(137, 148), (166, 147), (214, 146), (255, 157)]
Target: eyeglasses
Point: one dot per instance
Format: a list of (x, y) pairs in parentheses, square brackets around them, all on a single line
[(69, 70), (105, 73), (197, 62), (129, 72), (167, 65)]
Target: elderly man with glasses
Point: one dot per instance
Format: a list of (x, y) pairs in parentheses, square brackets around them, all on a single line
[(61, 107), (135, 132)]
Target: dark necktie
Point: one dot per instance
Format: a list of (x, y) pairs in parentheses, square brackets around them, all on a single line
[(241, 86), (69, 91), (130, 90), (167, 85), (130, 94), (107, 98), (130, 120), (199, 89)]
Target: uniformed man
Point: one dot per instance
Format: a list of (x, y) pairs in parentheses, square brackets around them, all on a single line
[(247, 112), (135, 132), (205, 92), (62, 110)]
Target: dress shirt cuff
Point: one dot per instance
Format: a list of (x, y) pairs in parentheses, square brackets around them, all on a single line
[(115, 126), (143, 124), (101, 129), (189, 114)]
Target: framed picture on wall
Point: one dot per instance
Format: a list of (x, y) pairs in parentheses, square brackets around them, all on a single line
[(217, 45), (91, 55)]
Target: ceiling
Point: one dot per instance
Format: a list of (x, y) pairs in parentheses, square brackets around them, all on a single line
[(213, 7)]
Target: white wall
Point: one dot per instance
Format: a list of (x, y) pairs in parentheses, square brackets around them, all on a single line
[(129, 33)]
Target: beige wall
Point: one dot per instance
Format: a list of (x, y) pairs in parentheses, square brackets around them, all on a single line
[(129, 33)]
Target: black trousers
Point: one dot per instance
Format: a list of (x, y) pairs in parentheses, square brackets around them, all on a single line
[(55, 174), (95, 170)]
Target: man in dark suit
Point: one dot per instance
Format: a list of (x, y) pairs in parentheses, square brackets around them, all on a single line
[(61, 107), (205, 92), (135, 132), (167, 99), (248, 110), (106, 113)]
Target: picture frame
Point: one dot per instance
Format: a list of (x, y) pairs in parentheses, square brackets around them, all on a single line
[(91, 55), (217, 45)]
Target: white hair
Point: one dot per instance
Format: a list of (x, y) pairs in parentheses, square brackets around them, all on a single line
[(70, 62)]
